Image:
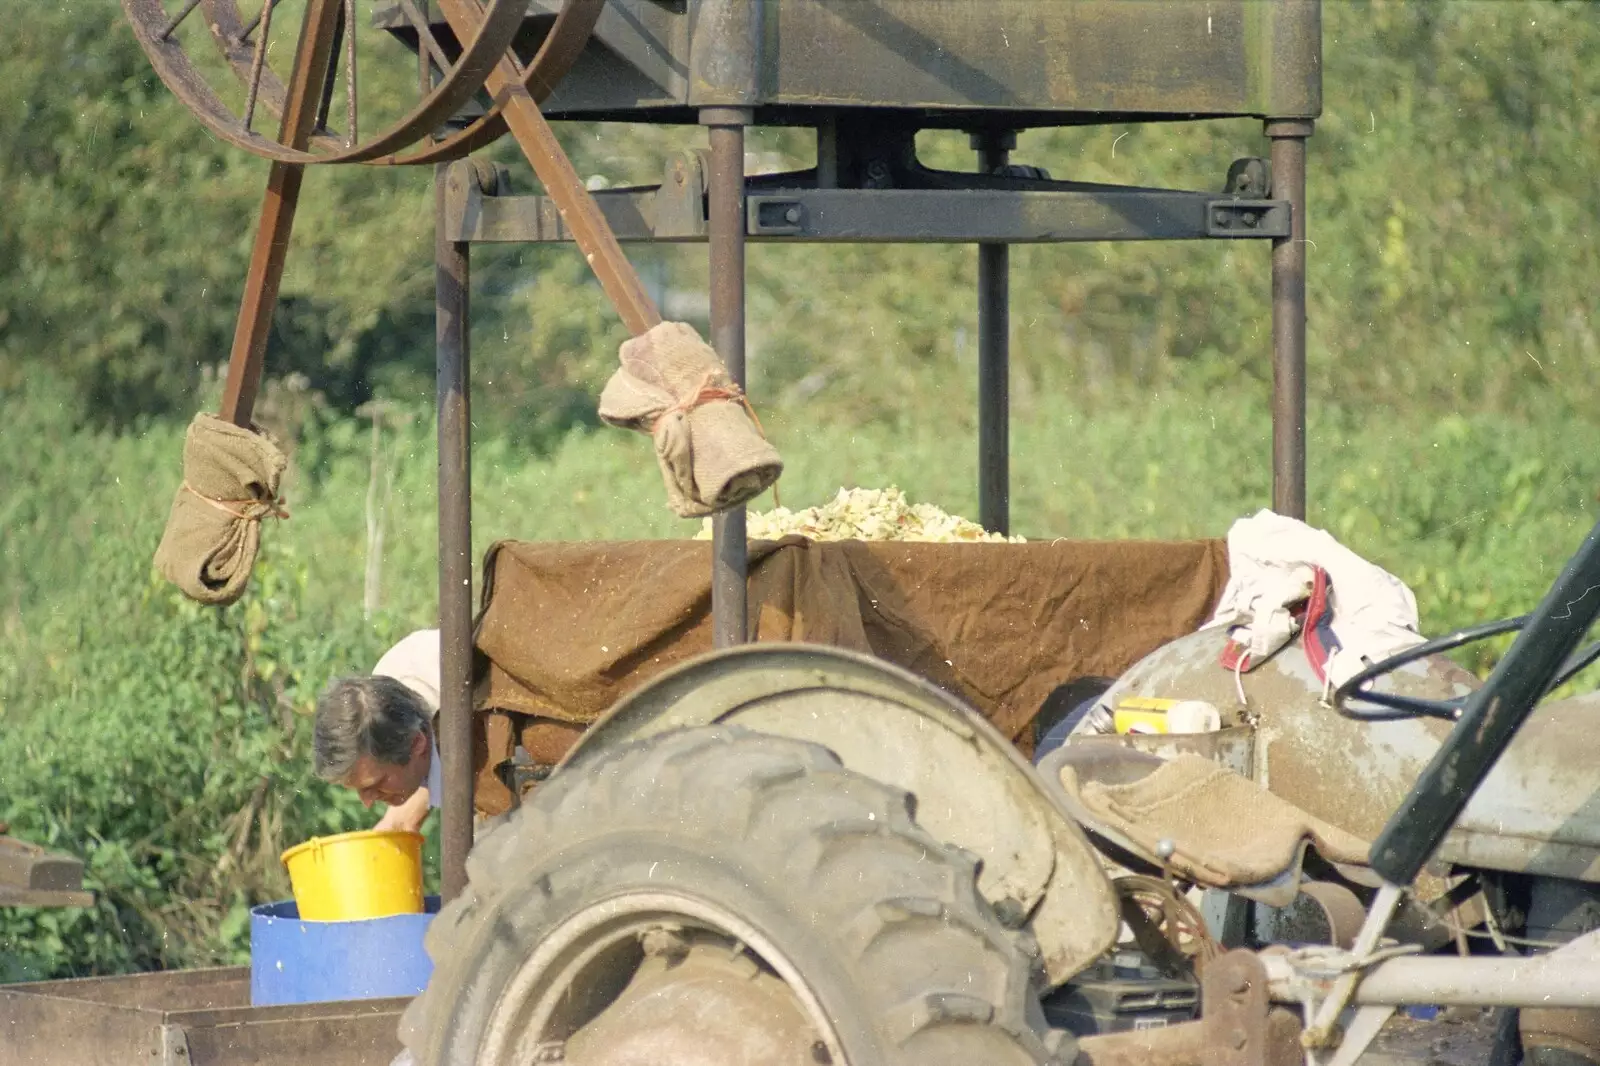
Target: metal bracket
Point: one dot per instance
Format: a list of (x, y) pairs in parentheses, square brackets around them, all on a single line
[(30, 876), (1237, 1027), (774, 216), (680, 201), (1247, 218), (1249, 177), (174, 1046), (1234, 1006)]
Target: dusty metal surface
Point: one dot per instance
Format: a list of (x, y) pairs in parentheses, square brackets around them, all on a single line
[(1463, 1037), (1349, 773), (186, 1018), (31, 876), (1047, 62), (972, 787), (963, 210), (1324, 912), (1237, 1027), (1538, 811), (1492, 722)]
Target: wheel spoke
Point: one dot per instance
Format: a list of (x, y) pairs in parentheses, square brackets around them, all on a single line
[(325, 100), (350, 73), (247, 29), (256, 62), (425, 36), (166, 30)]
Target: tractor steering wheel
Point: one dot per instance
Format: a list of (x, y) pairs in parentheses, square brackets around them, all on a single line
[(1359, 687)]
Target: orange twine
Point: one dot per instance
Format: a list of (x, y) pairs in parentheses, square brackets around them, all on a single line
[(710, 393), (252, 510)]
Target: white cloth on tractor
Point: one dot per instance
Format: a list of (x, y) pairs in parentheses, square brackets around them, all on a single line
[(414, 662), (1272, 563)]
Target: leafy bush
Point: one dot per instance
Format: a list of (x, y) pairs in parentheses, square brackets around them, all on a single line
[(176, 764)]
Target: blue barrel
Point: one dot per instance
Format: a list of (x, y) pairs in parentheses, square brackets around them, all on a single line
[(292, 961)]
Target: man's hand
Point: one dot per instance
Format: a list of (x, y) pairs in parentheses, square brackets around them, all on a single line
[(408, 815)]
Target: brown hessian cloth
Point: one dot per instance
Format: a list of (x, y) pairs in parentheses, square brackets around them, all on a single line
[(566, 629), (1227, 831), (230, 483), (710, 448)]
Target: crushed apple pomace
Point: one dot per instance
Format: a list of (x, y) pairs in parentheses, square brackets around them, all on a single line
[(866, 514)]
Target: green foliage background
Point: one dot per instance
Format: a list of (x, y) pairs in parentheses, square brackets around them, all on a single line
[(1453, 436)]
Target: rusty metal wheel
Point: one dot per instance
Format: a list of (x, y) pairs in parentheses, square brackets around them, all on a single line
[(239, 73), (715, 896), (1166, 926)]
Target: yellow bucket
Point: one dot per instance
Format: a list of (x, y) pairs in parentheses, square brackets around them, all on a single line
[(367, 874), (1149, 714)]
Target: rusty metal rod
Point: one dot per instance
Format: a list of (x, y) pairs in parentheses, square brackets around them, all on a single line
[(730, 611), (259, 59), (330, 81), (350, 131), (578, 209), (1289, 320), (426, 42), (247, 29), (176, 20), (452, 310), (313, 54), (994, 357)]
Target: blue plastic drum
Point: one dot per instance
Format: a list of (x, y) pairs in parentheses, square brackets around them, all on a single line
[(292, 961)]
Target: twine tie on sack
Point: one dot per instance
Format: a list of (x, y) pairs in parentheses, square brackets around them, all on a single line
[(251, 510), (709, 392)]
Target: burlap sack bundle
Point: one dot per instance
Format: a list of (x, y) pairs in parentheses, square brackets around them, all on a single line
[(230, 483), (711, 450)]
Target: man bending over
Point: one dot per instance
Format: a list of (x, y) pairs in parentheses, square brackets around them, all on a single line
[(375, 734)]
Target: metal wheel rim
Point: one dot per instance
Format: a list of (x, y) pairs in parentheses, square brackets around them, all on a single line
[(499, 25), (528, 1006), (557, 53)]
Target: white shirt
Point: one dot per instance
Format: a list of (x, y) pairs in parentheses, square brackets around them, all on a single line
[(435, 777), (414, 662)]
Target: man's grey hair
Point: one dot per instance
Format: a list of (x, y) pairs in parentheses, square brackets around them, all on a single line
[(374, 715)]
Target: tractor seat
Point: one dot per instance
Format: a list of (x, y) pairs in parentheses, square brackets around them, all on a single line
[(1225, 831)]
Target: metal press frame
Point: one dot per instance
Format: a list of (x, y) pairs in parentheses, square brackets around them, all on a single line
[(472, 206)]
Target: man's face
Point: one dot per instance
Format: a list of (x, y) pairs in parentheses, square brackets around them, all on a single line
[(389, 782)]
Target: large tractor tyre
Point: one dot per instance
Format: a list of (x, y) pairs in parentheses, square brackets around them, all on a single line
[(720, 896)]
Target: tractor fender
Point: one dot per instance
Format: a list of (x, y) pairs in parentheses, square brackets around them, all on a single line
[(972, 788)]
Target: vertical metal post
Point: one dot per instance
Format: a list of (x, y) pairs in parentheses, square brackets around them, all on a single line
[(1289, 320), (730, 566), (452, 310), (994, 356)]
